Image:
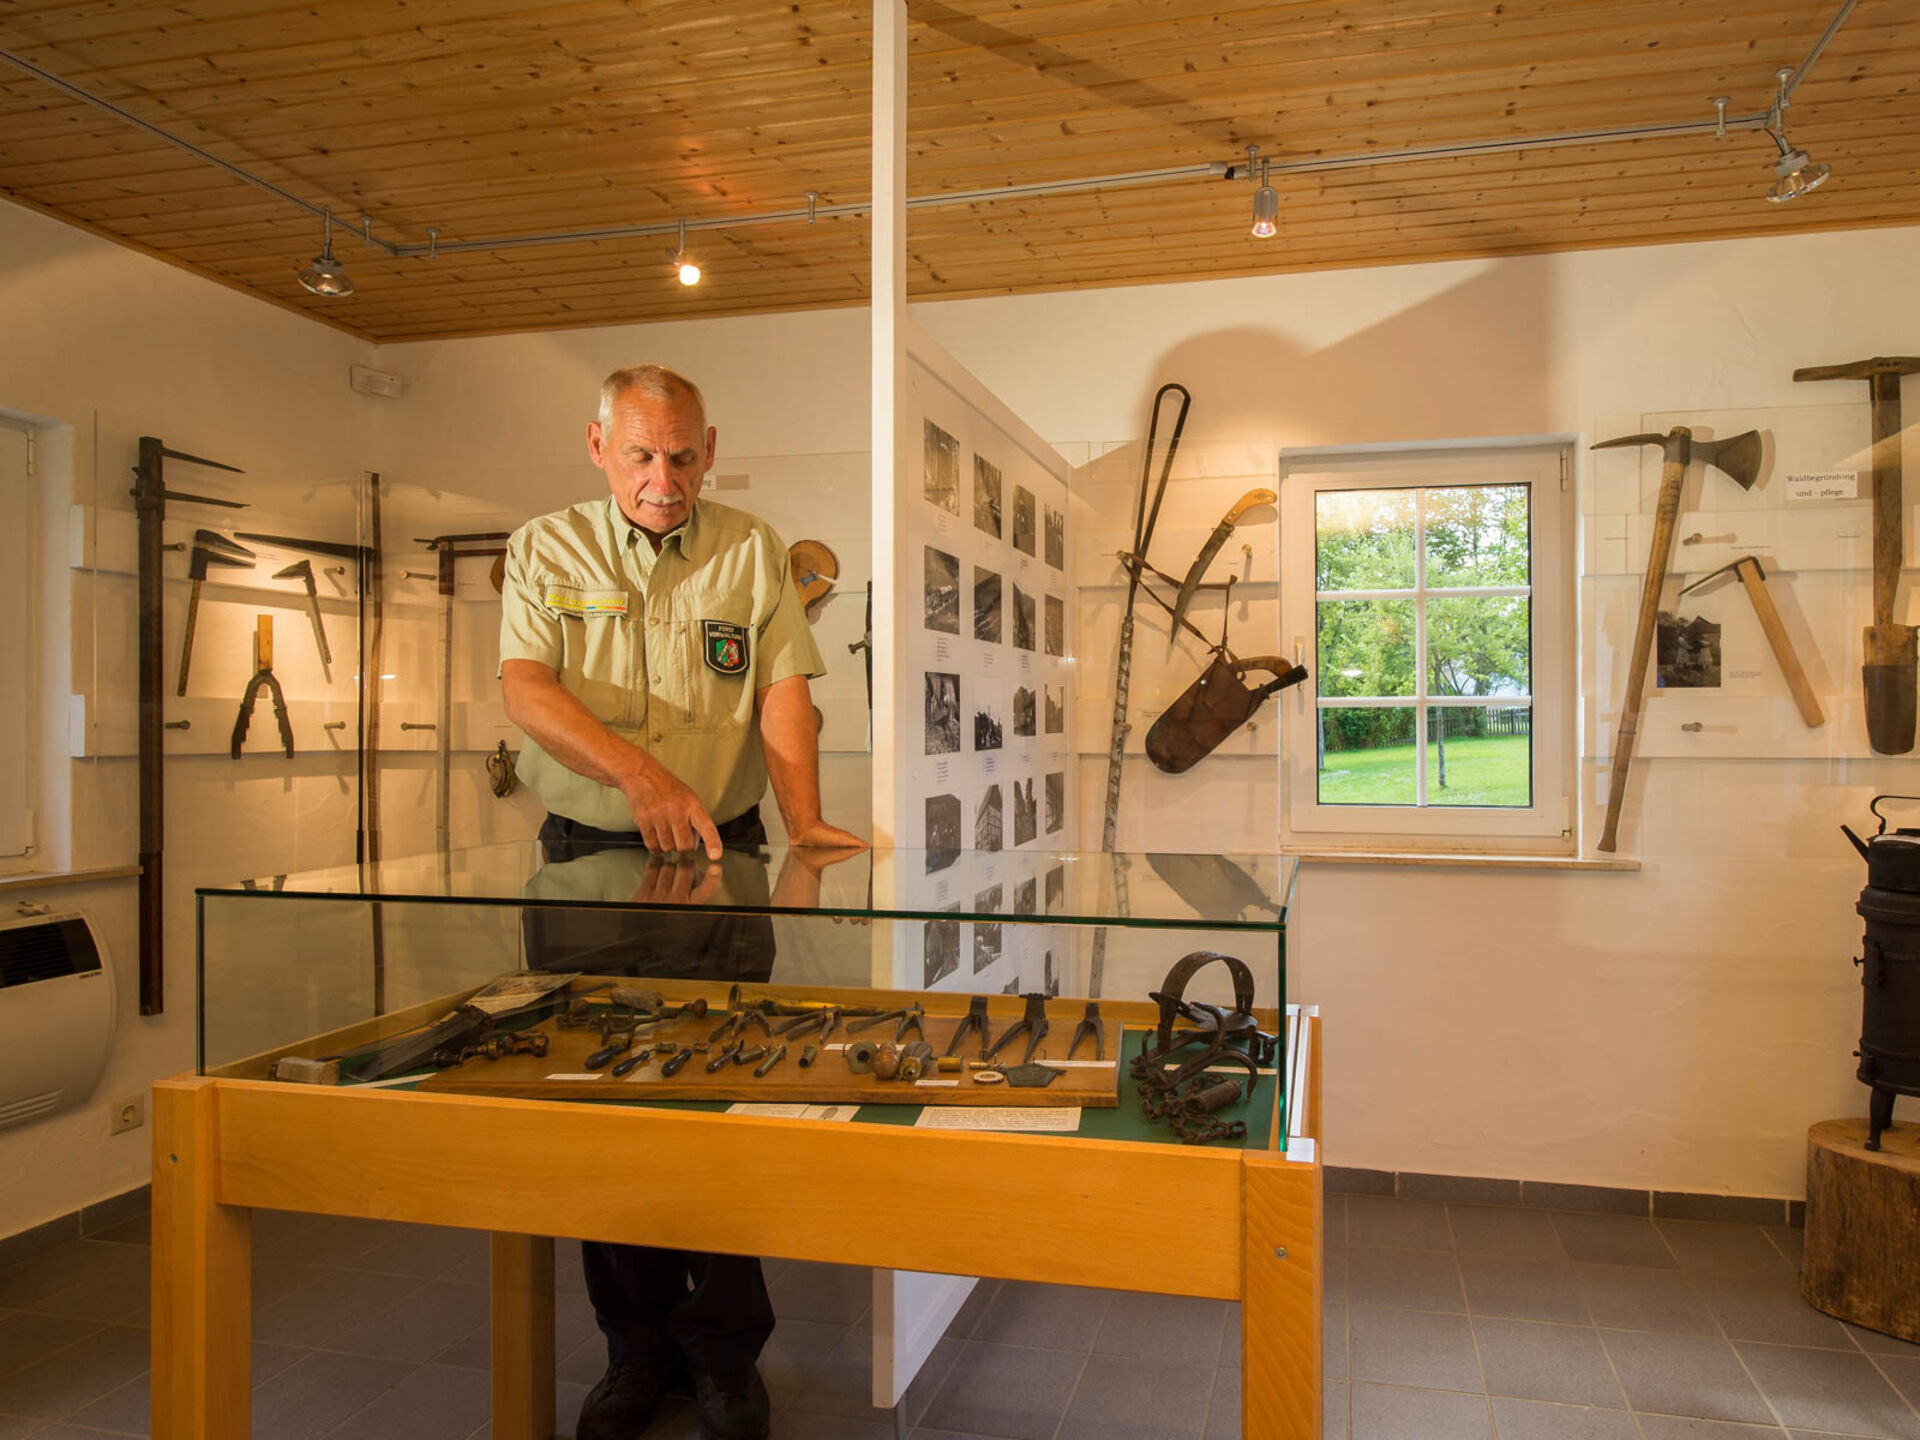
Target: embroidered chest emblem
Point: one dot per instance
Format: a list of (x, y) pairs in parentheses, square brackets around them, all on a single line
[(725, 646)]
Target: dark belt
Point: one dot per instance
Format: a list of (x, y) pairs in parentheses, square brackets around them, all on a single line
[(743, 829)]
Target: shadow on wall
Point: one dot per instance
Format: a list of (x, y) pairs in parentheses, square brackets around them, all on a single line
[(1473, 361)]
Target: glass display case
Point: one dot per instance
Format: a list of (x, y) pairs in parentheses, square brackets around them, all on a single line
[(333, 962)]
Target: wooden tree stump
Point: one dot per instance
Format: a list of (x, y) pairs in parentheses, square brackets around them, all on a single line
[(1863, 1226)]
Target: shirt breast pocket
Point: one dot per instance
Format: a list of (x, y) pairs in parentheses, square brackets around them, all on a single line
[(599, 664)]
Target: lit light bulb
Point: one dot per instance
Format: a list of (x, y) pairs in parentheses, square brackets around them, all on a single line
[(689, 272), (1266, 213)]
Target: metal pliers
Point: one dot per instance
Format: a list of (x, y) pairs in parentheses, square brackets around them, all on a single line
[(263, 678), (1033, 1022), (1090, 1024), (909, 1019)]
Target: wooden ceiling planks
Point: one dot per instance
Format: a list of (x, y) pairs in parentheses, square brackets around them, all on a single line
[(492, 117)]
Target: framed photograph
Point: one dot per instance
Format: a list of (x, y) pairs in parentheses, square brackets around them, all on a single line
[(943, 713), (1025, 713), (988, 819), (1056, 889), (1025, 812), (943, 830), (941, 476), (942, 951), (1056, 801), (1023, 520), (1056, 625), (986, 605), (942, 592), (1056, 538), (987, 492), (1056, 700), (1686, 652), (1023, 619), (1026, 897)]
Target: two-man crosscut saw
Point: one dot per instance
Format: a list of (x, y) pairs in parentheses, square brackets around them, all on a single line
[(1144, 517)]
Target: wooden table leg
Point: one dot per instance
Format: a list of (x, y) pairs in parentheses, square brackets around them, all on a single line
[(1280, 1354), (522, 1337), (202, 1276)]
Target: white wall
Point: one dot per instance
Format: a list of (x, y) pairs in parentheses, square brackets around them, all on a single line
[(118, 346), (1678, 1028)]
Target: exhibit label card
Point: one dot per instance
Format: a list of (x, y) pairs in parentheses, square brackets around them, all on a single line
[(1824, 485), (1062, 1118)]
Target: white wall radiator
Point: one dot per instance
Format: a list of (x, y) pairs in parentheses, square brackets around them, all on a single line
[(56, 1015)]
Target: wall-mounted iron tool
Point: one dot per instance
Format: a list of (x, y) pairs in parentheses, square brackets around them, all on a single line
[(302, 570), (262, 679), (210, 547)]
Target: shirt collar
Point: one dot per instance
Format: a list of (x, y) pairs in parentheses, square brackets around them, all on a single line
[(686, 534)]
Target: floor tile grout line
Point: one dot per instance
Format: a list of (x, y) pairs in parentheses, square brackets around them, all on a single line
[(1067, 1409)]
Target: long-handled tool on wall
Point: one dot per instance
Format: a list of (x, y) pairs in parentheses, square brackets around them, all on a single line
[(150, 497), (1891, 662), (1738, 456), (262, 680), (1754, 579), (302, 570), (451, 549), (210, 548), (1144, 517)]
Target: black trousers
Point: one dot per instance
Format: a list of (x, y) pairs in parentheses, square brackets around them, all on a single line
[(713, 1308)]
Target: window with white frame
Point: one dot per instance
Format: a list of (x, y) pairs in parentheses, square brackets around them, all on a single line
[(1430, 592)]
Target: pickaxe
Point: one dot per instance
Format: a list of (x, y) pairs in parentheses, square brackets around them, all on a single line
[(1754, 579), (209, 548), (1891, 661), (302, 570), (1739, 456)]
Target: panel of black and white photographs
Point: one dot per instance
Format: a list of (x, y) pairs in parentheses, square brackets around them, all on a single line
[(998, 939), (987, 538)]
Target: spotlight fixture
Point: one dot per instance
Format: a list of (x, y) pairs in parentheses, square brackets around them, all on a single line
[(683, 263), (1266, 200), (1798, 171), (326, 276)]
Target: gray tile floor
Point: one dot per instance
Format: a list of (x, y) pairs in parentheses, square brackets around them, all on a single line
[(1443, 1322)]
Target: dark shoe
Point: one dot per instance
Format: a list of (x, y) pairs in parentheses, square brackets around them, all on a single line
[(733, 1404), (621, 1406)]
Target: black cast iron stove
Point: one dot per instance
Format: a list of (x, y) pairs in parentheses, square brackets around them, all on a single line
[(1889, 968)]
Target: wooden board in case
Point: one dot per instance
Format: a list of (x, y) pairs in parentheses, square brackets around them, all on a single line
[(562, 1074)]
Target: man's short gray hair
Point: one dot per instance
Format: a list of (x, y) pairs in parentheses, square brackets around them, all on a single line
[(654, 381)]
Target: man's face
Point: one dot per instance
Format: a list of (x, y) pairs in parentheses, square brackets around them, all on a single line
[(655, 456)]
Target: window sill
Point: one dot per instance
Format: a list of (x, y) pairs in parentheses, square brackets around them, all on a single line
[(1479, 860), (46, 879)]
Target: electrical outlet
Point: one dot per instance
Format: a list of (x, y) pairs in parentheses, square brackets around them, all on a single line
[(127, 1114)]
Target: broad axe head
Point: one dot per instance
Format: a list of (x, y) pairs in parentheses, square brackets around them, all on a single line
[(1738, 455), (299, 570), (210, 547)]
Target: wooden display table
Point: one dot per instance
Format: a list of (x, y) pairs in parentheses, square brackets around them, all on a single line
[(1863, 1226), (1226, 1223)]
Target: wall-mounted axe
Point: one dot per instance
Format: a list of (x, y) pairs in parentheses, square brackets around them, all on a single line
[(302, 570), (1891, 660), (1739, 456), (210, 547), (1754, 580)]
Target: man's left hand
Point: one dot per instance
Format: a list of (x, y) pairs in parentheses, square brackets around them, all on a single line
[(822, 836)]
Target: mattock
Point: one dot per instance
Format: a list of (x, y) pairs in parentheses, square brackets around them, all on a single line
[(1739, 456), (1033, 1023), (1891, 661), (1754, 579)]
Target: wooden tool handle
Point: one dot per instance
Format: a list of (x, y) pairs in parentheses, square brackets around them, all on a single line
[(1673, 475), (1776, 633), (186, 638), (1888, 508), (262, 642)]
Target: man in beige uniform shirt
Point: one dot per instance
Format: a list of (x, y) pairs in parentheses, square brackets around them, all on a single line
[(656, 655)]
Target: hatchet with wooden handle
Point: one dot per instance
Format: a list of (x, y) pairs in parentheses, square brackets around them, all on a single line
[(1891, 661), (1739, 456)]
